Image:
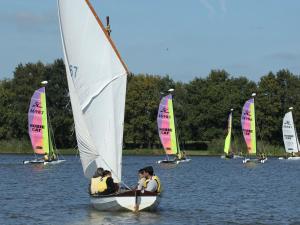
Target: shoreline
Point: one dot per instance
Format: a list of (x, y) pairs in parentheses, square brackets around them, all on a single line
[(137, 152)]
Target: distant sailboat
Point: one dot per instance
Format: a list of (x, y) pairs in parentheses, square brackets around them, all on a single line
[(290, 137), (228, 152), (249, 129), (167, 131), (38, 129), (97, 78)]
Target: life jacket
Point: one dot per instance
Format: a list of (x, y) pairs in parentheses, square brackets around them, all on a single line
[(94, 185), (158, 190), (102, 186)]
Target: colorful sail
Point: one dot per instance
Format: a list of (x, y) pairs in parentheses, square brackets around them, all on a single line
[(228, 138), (166, 125), (248, 126), (37, 122), (97, 78), (289, 133)]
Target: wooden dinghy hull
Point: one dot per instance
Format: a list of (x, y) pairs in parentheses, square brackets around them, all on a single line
[(127, 201), (41, 161)]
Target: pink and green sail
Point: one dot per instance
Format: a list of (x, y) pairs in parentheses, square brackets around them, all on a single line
[(38, 124), (248, 125), (228, 137), (166, 126)]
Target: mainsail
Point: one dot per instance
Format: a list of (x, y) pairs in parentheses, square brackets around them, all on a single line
[(38, 124), (228, 138), (166, 126), (97, 79), (248, 125), (290, 137)]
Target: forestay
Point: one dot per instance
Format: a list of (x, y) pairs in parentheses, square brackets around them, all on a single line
[(166, 125), (248, 125), (290, 137), (37, 122), (97, 84)]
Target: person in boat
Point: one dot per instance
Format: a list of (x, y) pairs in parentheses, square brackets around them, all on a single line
[(152, 182), (142, 179), (95, 181), (107, 185), (46, 157), (53, 157), (183, 155), (293, 154)]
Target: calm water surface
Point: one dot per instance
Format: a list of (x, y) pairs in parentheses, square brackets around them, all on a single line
[(208, 190)]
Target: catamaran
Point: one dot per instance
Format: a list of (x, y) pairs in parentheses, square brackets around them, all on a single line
[(97, 78), (249, 131), (38, 129), (290, 137), (228, 152), (167, 131)]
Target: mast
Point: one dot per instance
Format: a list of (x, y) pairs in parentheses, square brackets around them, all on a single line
[(175, 122), (295, 131), (253, 95), (44, 83)]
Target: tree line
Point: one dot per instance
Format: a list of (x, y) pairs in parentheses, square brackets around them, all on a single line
[(201, 106)]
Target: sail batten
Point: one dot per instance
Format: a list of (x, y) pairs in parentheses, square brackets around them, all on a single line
[(97, 79), (248, 125), (289, 133), (166, 125)]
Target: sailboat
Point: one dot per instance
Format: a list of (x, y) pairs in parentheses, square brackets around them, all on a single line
[(167, 131), (290, 137), (97, 78), (249, 130), (228, 153), (38, 129)]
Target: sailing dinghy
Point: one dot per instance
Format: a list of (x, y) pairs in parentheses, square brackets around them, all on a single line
[(167, 131), (38, 129), (228, 152), (249, 131), (97, 78), (290, 137)]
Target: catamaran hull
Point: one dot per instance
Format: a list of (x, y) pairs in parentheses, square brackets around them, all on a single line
[(234, 157), (254, 160), (39, 161), (173, 161), (290, 158), (126, 203)]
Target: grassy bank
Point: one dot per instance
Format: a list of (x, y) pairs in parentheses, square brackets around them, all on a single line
[(215, 148)]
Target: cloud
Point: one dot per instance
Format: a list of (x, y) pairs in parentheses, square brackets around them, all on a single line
[(289, 56), (223, 6), (212, 9), (24, 21), (208, 6)]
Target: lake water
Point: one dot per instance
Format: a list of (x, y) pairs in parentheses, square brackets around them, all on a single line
[(207, 190)]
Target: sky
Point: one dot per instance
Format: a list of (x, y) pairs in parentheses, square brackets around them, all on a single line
[(184, 39)]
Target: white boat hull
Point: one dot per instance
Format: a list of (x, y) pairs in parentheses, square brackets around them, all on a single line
[(125, 202), (41, 161), (247, 160), (234, 157), (290, 158), (173, 161)]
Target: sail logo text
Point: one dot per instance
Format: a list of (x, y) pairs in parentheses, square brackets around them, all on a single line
[(165, 131), (36, 127)]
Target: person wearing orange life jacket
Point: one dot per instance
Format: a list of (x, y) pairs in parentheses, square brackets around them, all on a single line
[(152, 182)]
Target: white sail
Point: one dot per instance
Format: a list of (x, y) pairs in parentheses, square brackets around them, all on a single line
[(97, 79), (290, 137)]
